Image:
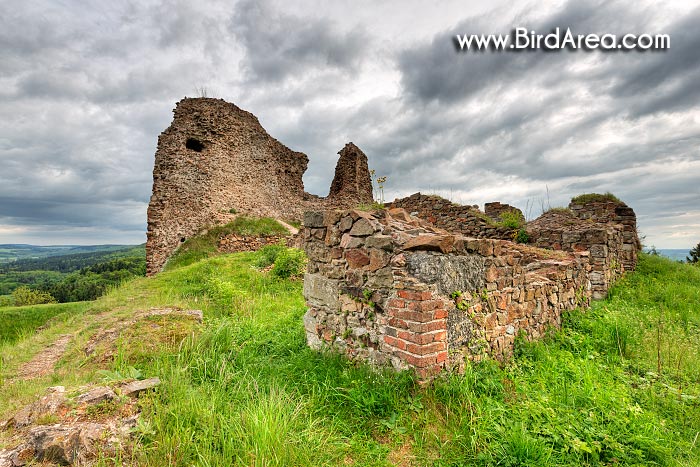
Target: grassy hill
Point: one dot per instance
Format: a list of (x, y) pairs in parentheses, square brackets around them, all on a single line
[(618, 385)]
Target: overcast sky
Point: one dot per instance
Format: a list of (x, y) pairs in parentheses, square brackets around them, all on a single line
[(86, 87)]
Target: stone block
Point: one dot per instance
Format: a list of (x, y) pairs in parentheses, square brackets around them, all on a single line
[(442, 243), (314, 219), (362, 228), (384, 242), (357, 258), (345, 224), (321, 291), (378, 259), (347, 241)]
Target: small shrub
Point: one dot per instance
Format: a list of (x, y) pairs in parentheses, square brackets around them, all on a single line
[(23, 296), (512, 220), (694, 257), (233, 211), (268, 254), (290, 262), (521, 236)]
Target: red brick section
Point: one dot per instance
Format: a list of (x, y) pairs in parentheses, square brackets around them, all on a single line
[(417, 331)]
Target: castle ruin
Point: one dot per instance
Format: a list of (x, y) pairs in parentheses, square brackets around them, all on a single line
[(216, 160), (424, 284)]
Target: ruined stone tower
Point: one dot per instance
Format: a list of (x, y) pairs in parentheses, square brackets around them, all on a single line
[(216, 158), (352, 179)]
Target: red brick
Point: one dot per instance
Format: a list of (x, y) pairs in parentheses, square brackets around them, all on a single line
[(417, 316), (440, 314), (396, 303), (440, 336), (406, 335), (425, 305), (425, 349), (426, 327), (422, 338), (398, 323), (441, 357), (415, 360), (413, 295), (394, 342)]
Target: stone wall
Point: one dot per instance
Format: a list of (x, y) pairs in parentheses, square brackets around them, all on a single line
[(613, 212), (607, 229), (562, 230), (215, 159), (389, 288), (468, 220)]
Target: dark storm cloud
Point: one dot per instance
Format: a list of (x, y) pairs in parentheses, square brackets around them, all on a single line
[(280, 46), (86, 89), (86, 92)]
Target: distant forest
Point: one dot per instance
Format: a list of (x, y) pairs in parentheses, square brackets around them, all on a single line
[(76, 276)]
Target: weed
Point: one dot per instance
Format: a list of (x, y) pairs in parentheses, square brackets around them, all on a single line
[(375, 206), (521, 236), (594, 198), (290, 262), (560, 210), (246, 390), (511, 219), (460, 302), (268, 254)]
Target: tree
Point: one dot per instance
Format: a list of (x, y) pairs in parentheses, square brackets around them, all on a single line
[(22, 296), (694, 257)]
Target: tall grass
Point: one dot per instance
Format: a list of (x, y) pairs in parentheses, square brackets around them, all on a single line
[(17, 322), (205, 244), (617, 385)]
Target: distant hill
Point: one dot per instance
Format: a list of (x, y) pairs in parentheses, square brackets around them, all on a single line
[(16, 251), (71, 258), (674, 254), (70, 272)]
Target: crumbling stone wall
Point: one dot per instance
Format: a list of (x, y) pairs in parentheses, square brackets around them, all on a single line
[(607, 229), (215, 160), (389, 288), (468, 220), (614, 212), (562, 230), (495, 209)]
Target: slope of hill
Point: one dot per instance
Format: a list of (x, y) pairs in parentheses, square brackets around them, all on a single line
[(618, 385)]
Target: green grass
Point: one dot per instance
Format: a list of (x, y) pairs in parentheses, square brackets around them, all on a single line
[(511, 220), (618, 385), (373, 206), (16, 322), (205, 245), (594, 197)]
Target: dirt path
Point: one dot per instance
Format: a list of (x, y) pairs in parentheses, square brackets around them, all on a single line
[(292, 230), (43, 363)]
